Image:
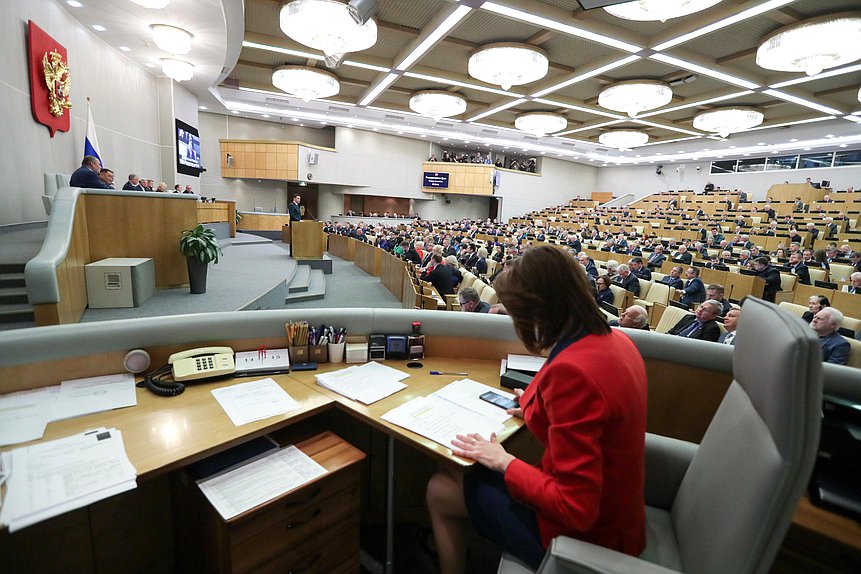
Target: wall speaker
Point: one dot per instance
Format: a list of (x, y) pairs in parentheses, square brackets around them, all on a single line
[(658, 169), (136, 361), (313, 158)]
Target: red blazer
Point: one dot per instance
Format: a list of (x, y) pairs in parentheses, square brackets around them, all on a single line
[(588, 407)]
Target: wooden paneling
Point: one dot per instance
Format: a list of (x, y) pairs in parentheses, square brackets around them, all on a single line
[(602, 196), (212, 212), (307, 240), (263, 221), (464, 178), (342, 247), (262, 159), (367, 258), (789, 191)]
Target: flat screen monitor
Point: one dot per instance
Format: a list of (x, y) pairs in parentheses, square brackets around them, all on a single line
[(187, 149), (435, 179)]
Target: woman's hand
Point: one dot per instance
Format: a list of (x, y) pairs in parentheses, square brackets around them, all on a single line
[(518, 411), (488, 453)]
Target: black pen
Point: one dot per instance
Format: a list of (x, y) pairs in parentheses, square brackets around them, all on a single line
[(448, 373)]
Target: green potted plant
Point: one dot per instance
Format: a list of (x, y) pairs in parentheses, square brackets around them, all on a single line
[(200, 247)]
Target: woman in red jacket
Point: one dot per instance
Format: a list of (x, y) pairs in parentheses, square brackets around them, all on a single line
[(587, 406)]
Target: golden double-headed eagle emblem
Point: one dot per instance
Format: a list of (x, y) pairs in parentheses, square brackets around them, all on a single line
[(58, 79)]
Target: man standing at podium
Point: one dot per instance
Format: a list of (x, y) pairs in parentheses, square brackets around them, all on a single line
[(293, 209)]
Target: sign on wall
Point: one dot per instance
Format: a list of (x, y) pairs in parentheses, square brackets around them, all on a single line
[(435, 179), (50, 80)]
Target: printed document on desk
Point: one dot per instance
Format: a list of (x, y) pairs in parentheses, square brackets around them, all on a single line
[(254, 401), (465, 393), (94, 394), (24, 415), (242, 488), (527, 363), (441, 420), (50, 478), (366, 383)]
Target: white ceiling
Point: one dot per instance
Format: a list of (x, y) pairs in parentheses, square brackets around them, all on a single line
[(232, 77)]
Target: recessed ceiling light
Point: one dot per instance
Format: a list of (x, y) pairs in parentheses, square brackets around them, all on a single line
[(202, 108), (295, 119), (349, 125), (732, 147), (466, 141), (149, 65), (301, 125), (807, 149), (423, 136), (842, 145), (761, 143), (98, 28), (323, 123), (378, 129), (829, 136), (265, 115), (793, 140), (234, 112), (400, 133), (125, 49), (74, 3)]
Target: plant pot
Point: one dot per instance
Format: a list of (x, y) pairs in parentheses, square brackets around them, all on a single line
[(197, 275)]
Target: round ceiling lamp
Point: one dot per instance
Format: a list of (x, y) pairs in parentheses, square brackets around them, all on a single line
[(508, 64), (813, 45), (305, 82), (635, 96), (725, 121), (171, 39), (540, 123), (328, 26), (663, 10), (623, 139), (178, 70), (437, 104), (152, 4)]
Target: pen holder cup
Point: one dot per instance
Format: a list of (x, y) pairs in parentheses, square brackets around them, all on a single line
[(336, 352), (319, 353), (299, 354)]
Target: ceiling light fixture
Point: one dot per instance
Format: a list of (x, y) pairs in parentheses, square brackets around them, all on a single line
[(725, 121), (595, 111), (663, 10), (697, 103), (623, 139), (823, 75), (450, 22), (178, 70), (540, 123), (499, 108), (704, 70), (635, 96), (99, 28), (328, 26), (802, 102), (171, 39), (306, 82), (508, 64), (74, 3), (378, 89), (152, 4), (586, 75), (813, 45), (437, 104)]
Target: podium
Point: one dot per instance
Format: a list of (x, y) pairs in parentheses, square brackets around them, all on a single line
[(305, 238)]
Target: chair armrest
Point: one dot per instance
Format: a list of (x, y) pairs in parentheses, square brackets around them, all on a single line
[(573, 556), (667, 461)]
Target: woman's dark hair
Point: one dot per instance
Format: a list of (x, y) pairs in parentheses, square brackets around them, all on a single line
[(606, 279), (548, 297), (823, 301)]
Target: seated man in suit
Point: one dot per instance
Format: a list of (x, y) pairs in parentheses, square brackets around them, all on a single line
[(798, 207), (835, 349), (470, 302), (133, 184), (88, 174), (657, 258), (627, 280), (715, 292), (693, 291), (682, 256), (107, 177), (797, 267), (634, 317), (638, 269), (854, 284), (763, 268), (730, 323), (588, 264), (439, 275), (701, 325), (674, 279)]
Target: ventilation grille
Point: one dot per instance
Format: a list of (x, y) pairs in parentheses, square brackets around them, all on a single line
[(394, 117), (489, 132), (339, 109)]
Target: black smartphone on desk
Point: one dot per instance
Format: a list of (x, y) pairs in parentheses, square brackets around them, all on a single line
[(498, 400)]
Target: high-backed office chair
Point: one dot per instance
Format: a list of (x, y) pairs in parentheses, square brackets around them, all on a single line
[(725, 505), (671, 316), (840, 272)]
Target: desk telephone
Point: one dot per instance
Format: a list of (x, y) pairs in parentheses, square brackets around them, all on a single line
[(190, 365)]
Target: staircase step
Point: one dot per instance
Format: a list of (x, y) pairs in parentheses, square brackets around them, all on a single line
[(17, 325), (301, 280), (7, 268), (15, 313), (13, 295), (316, 289), (12, 280)]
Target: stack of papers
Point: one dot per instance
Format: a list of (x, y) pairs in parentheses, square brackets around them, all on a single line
[(523, 363), (366, 383), (242, 488), (455, 409), (254, 401), (54, 477)]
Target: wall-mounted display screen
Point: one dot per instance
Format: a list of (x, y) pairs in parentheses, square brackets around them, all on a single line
[(187, 149), (435, 179)]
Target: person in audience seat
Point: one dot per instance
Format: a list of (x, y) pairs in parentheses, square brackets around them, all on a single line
[(763, 268), (638, 269), (87, 175), (826, 323), (634, 317), (588, 264), (657, 258), (604, 294), (470, 301), (797, 267), (815, 304), (715, 292), (730, 323), (693, 291), (854, 286), (107, 176), (682, 256), (627, 280), (439, 275), (674, 279), (133, 184), (701, 325)]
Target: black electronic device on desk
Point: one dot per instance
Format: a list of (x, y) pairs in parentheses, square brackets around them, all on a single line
[(835, 484)]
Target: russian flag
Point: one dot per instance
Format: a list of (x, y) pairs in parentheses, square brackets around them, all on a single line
[(91, 142)]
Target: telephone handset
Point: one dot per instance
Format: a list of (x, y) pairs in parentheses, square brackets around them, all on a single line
[(202, 363)]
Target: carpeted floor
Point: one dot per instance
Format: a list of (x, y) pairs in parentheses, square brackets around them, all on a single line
[(19, 244)]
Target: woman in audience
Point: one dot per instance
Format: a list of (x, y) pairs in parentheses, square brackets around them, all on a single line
[(454, 266), (591, 420), (481, 262), (612, 264), (162, 187), (605, 294), (815, 304), (779, 254)]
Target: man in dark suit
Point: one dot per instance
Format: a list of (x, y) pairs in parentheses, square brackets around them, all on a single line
[(682, 256), (799, 206), (694, 290), (674, 279), (589, 264), (835, 349), (439, 275), (627, 280), (701, 325), (797, 267), (107, 177), (763, 268), (657, 258), (293, 209), (133, 184), (768, 211), (831, 228), (88, 174), (638, 269), (730, 323), (854, 286)]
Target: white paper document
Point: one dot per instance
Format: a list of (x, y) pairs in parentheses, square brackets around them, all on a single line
[(366, 383), (525, 363), (263, 360), (94, 394), (50, 478), (465, 393), (440, 420), (241, 489), (254, 401), (24, 415)]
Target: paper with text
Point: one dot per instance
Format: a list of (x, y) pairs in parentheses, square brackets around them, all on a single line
[(527, 363), (94, 394), (366, 383), (247, 486), (465, 393), (254, 401), (24, 415), (440, 420)]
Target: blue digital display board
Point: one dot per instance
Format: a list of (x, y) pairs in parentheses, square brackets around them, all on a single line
[(435, 179)]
